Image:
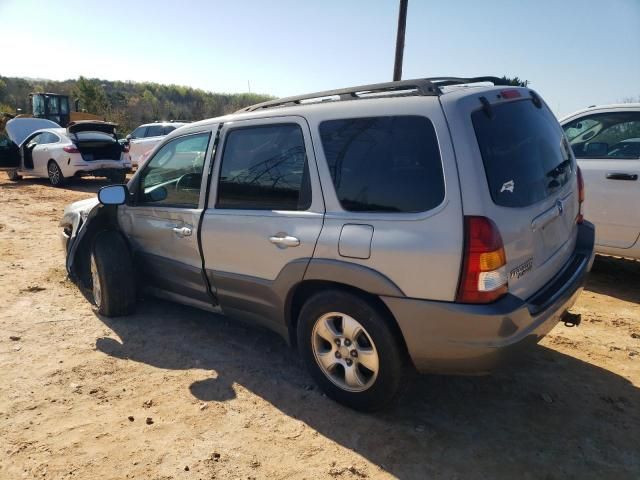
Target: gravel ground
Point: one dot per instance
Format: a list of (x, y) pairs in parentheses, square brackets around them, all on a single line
[(176, 393)]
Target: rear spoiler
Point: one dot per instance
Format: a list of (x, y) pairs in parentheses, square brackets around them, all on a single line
[(92, 126)]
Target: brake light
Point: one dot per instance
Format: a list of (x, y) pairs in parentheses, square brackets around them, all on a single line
[(484, 274), (71, 149), (511, 93), (580, 216)]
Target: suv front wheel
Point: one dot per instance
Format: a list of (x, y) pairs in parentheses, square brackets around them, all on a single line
[(350, 350)]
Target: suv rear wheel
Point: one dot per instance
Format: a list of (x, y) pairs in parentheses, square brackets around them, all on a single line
[(350, 350)]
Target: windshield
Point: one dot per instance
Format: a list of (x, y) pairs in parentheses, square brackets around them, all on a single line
[(525, 154)]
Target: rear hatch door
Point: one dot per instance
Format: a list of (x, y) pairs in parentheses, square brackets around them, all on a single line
[(92, 126), (526, 182)]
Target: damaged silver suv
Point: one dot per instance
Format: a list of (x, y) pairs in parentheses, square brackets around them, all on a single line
[(433, 223)]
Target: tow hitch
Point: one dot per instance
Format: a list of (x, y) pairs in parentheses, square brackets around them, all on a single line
[(571, 319)]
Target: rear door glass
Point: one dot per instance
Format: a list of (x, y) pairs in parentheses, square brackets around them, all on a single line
[(384, 164), (154, 131), (525, 154)]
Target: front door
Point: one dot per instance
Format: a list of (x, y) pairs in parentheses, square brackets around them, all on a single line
[(607, 146), (162, 221), (9, 154), (264, 216)]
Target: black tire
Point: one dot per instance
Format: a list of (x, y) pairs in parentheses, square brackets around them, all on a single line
[(118, 177), (55, 174), (115, 295), (13, 176), (391, 358)]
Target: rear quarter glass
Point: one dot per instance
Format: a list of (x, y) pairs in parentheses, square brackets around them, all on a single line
[(525, 154), (384, 163)]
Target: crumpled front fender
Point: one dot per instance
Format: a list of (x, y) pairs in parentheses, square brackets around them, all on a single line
[(77, 220)]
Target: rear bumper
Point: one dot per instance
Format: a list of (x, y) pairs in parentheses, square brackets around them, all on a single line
[(101, 171), (445, 337)]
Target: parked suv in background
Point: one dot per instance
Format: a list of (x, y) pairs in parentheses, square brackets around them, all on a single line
[(606, 142), (376, 227), (144, 138)]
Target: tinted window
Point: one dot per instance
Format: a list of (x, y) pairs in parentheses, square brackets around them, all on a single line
[(139, 132), (605, 135), (173, 175), (384, 164), (264, 168), (166, 130), (525, 154), (154, 131)]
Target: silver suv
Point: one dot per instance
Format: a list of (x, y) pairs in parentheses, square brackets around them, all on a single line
[(427, 223)]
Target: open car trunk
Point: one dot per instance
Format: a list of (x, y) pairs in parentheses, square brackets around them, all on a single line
[(95, 139), (97, 146)]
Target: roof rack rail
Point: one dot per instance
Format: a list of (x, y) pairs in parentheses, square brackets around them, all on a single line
[(416, 87)]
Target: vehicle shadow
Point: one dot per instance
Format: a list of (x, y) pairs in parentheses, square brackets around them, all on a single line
[(615, 277), (85, 184), (551, 416)]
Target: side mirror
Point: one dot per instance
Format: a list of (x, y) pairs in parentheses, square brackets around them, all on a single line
[(113, 195), (128, 137)]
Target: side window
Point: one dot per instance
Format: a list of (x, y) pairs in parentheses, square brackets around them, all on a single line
[(154, 131), (166, 130), (139, 132), (173, 175), (47, 138), (36, 140), (384, 164), (264, 168), (605, 135)]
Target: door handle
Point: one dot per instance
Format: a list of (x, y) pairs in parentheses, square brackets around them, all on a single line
[(283, 240), (182, 231), (622, 176)]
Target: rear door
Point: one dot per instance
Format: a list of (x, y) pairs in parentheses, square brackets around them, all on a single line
[(162, 222), (520, 173), (607, 146), (264, 213)]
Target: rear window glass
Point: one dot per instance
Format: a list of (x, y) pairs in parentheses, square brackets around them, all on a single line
[(525, 154), (384, 164)]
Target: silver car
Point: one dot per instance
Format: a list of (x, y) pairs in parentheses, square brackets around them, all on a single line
[(432, 224)]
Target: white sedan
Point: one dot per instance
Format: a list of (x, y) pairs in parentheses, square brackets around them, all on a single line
[(41, 148), (606, 143)]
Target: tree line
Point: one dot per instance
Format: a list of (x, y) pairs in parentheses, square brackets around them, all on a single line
[(128, 104)]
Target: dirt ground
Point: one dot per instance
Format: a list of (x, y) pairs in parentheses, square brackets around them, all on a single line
[(176, 393)]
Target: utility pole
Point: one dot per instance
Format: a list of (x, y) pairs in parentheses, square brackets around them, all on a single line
[(402, 23)]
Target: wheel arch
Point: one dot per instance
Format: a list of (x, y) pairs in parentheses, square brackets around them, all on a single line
[(304, 290)]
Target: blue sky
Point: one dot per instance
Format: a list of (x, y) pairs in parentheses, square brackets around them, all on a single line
[(575, 52)]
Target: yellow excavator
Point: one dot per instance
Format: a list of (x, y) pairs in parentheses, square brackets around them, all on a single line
[(52, 106)]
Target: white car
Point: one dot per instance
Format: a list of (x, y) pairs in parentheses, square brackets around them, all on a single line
[(606, 143), (144, 138), (41, 148)]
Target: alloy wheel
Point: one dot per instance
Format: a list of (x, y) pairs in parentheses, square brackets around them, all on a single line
[(345, 352)]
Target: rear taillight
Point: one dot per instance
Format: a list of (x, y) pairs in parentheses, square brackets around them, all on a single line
[(484, 274), (509, 94), (71, 149), (580, 216)]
